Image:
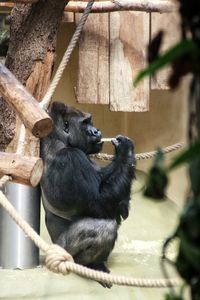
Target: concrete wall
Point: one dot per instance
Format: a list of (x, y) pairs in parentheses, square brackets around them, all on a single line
[(163, 125)]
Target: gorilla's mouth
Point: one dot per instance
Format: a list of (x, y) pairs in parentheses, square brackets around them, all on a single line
[(95, 146), (96, 141), (99, 143)]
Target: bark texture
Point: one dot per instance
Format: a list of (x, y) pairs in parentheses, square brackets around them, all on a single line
[(30, 57)]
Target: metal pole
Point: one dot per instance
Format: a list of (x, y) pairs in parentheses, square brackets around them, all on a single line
[(17, 251)]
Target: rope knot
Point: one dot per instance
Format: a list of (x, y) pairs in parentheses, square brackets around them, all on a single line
[(57, 258)]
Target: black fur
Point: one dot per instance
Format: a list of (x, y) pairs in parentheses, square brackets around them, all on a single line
[(93, 199)]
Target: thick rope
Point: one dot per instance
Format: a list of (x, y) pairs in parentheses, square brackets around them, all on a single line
[(151, 154), (47, 98), (139, 156), (60, 261)]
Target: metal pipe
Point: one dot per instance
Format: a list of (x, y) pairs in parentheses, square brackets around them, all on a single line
[(17, 251)]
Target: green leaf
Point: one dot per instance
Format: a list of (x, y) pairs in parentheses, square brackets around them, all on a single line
[(182, 48), (186, 156)]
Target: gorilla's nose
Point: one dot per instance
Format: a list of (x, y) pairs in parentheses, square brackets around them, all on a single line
[(95, 132)]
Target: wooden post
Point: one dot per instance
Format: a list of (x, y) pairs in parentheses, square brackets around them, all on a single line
[(25, 170), (27, 108)]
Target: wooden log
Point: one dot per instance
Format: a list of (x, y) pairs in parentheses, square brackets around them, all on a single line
[(160, 6), (26, 170), (22, 1), (93, 65), (129, 36), (169, 23), (6, 4), (27, 108)]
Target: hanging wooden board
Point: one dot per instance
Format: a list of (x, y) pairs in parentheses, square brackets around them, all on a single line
[(129, 36), (170, 24), (93, 71)]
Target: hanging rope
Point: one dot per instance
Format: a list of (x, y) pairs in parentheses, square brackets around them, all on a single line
[(47, 98), (60, 261)]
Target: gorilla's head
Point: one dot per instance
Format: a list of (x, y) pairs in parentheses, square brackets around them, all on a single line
[(74, 128)]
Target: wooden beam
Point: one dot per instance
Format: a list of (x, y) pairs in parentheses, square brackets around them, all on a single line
[(27, 108), (6, 4), (161, 6), (21, 1), (26, 170)]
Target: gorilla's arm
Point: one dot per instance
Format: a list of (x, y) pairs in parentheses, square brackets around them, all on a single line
[(118, 175), (72, 182)]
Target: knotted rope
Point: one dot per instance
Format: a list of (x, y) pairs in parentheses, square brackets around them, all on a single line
[(140, 156), (58, 260)]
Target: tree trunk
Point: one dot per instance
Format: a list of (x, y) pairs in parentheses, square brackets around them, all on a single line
[(30, 57)]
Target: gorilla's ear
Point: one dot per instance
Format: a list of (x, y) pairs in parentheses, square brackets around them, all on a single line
[(58, 108)]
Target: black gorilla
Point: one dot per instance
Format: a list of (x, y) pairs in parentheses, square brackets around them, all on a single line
[(84, 203)]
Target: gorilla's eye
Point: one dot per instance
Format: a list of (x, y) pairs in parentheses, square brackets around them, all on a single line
[(66, 126)]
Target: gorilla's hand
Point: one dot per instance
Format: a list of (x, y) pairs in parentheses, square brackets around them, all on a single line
[(124, 148), (124, 209)]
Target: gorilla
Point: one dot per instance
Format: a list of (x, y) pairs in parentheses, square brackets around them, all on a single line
[(84, 203)]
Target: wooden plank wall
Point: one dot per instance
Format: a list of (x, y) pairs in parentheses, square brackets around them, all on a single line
[(93, 72), (129, 36), (169, 23), (112, 50)]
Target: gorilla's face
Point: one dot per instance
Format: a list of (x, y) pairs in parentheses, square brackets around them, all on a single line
[(74, 128)]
